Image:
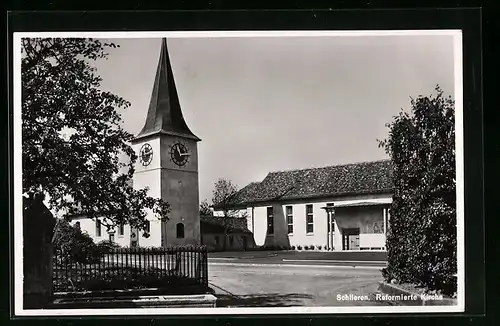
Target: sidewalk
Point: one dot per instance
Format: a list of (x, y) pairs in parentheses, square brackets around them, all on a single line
[(351, 259)]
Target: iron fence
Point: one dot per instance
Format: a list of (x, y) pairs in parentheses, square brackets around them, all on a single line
[(132, 268)]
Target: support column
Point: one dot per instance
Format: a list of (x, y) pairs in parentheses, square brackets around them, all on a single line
[(332, 228), (328, 223), (385, 220), (385, 227), (388, 218)]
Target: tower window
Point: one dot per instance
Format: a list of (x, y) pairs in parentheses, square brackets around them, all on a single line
[(180, 231), (121, 229)]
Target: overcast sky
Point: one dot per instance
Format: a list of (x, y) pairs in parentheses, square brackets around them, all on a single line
[(268, 104)]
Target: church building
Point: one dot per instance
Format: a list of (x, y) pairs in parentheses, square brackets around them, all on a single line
[(168, 165), (342, 207)]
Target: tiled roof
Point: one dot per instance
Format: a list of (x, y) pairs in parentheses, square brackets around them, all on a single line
[(246, 194), (355, 178)]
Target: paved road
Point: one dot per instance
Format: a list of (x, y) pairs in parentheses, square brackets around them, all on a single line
[(247, 285)]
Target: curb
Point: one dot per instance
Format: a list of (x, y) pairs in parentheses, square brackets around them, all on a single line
[(411, 299), (177, 301), (295, 265), (367, 262)]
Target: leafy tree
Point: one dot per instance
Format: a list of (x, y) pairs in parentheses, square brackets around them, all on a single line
[(223, 195), (421, 240), (205, 209), (72, 135)]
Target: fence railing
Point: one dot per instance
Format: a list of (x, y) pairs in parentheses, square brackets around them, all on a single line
[(132, 268)]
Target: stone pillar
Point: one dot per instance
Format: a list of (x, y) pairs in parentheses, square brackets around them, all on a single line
[(38, 230)]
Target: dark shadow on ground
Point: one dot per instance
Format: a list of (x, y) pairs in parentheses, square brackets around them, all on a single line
[(120, 299), (262, 300)]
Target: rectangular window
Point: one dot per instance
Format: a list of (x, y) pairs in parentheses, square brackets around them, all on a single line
[(121, 229), (231, 240), (270, 221), (309, 219), (148, 227), (112, 237), (216, 240), (97, 228), (330, 224), (289, 219)]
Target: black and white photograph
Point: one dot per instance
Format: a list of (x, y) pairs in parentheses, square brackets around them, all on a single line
[(238, 172)]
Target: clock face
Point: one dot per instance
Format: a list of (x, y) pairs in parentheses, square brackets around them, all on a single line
[(179, 154), (146, 154)]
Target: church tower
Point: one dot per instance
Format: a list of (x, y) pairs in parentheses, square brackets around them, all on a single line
[(168, 163)]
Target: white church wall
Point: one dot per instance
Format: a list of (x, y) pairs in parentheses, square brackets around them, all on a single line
[(372, 240), (319, 236), (260, 225), (123, 240)]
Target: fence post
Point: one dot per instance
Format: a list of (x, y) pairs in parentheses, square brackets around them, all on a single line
[(205, 267)]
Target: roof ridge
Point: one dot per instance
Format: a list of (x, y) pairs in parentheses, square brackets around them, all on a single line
[(330, 166)]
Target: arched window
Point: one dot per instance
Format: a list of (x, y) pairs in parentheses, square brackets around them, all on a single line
[(180, 231)]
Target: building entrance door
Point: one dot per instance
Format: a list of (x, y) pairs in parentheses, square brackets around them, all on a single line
[(350, 239)]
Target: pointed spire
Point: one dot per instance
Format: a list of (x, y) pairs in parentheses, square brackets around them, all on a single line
[(164, 113)]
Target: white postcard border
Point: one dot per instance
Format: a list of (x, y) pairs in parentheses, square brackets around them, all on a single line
[(17, 169)]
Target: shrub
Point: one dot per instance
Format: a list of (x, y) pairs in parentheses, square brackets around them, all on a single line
[(319, 247), (421, 239), (299, 247), (106, 246), (71, 244), (293, 247)]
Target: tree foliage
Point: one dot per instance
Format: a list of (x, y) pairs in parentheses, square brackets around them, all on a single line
[(421, 241), (205, 209), (223, 193), (72, 245), (72, 135)]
